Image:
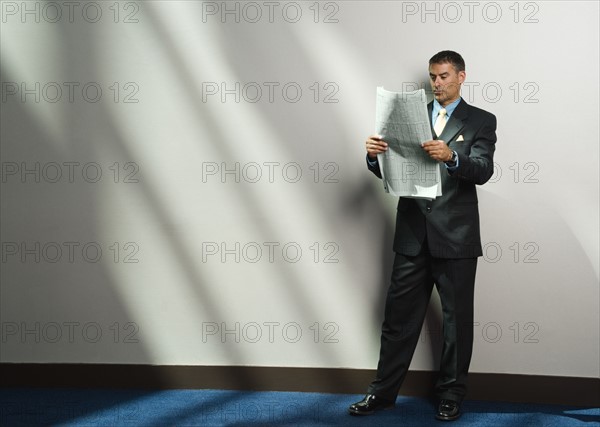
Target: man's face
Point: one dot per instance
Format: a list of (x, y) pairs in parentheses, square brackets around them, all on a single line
[(445, 82)]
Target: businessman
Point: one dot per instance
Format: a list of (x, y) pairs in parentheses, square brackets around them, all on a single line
[(436, 242)]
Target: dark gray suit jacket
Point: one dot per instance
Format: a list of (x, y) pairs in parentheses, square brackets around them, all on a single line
[(450, 223)]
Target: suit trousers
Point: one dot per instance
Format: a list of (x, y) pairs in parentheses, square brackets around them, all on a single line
[(406, 304)]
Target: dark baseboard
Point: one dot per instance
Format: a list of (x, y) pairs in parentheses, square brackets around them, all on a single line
[(498, 387)]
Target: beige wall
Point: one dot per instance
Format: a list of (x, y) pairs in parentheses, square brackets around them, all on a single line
[(211, 206)]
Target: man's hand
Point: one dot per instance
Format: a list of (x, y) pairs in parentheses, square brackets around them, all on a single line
[(437, 150), (375, 145)]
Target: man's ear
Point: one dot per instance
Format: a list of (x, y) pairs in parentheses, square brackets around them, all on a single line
[(462, 75)]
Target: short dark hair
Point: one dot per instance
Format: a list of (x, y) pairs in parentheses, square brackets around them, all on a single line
[(450, 57)]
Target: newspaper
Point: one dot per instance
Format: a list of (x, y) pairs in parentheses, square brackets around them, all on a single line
[(407, 170)]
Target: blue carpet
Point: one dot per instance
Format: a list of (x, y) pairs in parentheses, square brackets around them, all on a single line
[(69, 407)]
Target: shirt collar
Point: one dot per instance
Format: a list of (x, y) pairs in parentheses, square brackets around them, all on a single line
[(449, 108)]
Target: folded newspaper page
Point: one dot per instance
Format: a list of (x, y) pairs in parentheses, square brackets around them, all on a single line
[(407, 170)]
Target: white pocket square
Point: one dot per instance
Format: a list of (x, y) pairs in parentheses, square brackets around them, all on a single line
[(460, 138)]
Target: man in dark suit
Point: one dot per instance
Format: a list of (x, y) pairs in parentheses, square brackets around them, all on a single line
[(436, 242)]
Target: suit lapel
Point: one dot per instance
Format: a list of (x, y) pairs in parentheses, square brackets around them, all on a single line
[(452, 128), (429, 113)]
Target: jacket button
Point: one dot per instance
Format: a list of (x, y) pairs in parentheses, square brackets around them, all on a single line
[(428, 208)]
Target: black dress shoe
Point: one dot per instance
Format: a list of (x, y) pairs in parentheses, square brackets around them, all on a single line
[(448, 410), (369, 405)]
